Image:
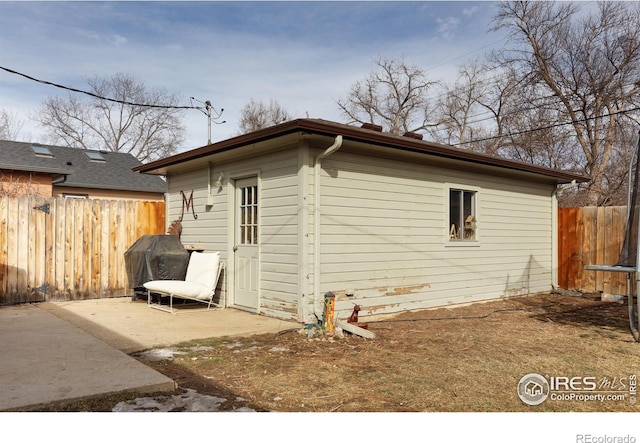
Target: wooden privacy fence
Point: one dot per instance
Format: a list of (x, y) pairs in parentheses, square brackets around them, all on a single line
[(56, 249), (591, 236)]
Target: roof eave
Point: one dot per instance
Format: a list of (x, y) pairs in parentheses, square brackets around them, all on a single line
[(38, 169), (331, 129)]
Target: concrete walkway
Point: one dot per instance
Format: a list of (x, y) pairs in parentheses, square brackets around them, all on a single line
[(57, 352)]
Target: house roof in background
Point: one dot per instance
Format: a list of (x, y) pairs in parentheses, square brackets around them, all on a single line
[(368, 134), (115, 172)]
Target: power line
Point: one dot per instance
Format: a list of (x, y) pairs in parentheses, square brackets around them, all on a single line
[(502, 114), (146, 105), (555, 125)]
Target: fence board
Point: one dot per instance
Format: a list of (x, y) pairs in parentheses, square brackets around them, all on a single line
[(76, 251), (95, 245), (12, 248), (590, 236), (579, 233), (4, 256), (618, 229)]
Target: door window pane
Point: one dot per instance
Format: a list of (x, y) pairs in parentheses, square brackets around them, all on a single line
[(249, 215)]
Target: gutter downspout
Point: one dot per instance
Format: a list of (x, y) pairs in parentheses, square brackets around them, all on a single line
[(60, 179), (316, 222)]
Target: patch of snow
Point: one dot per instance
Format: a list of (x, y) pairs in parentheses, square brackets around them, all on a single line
[(201, 348), (189, 401), (159, 354), (278, 349), (168, 353)]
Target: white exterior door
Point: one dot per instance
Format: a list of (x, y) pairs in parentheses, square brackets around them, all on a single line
[(246, 244)]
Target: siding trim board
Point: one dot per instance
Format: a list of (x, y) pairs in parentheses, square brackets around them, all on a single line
[(382, 231)]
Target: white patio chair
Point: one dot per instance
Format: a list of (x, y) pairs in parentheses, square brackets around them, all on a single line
[(203, 273)]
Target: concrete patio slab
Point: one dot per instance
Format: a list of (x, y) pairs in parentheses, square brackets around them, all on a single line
[(59, 352), (133, 326), (48, 360)]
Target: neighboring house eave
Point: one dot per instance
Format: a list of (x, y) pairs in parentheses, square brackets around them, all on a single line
[(40, 170), (68, 184), (353, 133)]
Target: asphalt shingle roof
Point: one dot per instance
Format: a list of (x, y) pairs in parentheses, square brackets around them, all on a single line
[(114, 173)]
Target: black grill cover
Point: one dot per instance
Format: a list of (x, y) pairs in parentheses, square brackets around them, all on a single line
[(156, 257)]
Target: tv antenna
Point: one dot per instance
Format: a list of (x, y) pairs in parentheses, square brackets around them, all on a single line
[(207, 110)]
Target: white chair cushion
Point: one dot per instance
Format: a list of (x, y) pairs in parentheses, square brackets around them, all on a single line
[(203, 268), (179, 288), (202, 274)]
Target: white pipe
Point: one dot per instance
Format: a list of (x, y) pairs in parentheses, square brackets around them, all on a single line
[(316, 222), (209, 194)]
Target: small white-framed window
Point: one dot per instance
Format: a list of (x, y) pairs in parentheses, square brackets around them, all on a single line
[(76, 196), (463, 222)]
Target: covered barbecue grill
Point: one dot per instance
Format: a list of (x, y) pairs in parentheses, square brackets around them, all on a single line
[(155, 257)]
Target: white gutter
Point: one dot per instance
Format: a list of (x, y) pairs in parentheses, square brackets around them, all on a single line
[(316, 222)]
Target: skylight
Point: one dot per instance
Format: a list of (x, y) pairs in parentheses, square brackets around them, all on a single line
[(41, 150), (95, 156)]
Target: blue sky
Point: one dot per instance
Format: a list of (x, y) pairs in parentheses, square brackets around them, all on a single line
[(305, 55)]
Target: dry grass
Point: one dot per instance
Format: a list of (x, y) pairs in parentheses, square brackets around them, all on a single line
[(452, 359)]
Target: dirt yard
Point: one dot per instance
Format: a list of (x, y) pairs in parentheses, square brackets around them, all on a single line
[(468, 358)]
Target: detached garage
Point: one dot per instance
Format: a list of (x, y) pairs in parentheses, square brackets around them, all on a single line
[(389, 222)]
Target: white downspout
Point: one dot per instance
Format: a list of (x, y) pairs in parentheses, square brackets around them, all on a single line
[(316, 222)]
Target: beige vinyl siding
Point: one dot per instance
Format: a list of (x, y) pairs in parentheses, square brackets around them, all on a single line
[(278, 228), (279, 237), (384, 231), (209, 230)]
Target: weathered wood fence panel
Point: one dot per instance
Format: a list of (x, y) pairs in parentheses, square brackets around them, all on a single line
[(56, 249), (590, 236)]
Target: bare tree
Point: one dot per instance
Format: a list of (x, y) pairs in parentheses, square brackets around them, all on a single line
[(258, 115), (10, 126), (459, 107), (393, 95), (18, 184), (587, 65), (120, 124)]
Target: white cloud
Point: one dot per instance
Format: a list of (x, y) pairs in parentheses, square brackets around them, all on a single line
[(448, 27), (118, 39), (470, 12)]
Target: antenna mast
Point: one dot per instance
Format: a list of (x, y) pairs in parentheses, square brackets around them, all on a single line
[(206, 110)]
